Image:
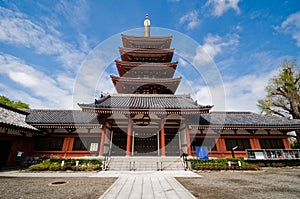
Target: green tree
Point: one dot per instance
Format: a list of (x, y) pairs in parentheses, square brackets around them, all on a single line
[(283, 93), (18, 104)]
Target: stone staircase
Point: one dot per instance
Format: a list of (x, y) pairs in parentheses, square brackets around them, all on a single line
[(145, 163)]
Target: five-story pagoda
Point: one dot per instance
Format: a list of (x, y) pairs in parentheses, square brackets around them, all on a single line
[(145, 117)]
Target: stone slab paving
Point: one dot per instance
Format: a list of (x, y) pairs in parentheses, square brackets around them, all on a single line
[(130, 184), (146, 184)]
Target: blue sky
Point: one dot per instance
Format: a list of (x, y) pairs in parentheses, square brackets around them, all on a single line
[(45, 44)]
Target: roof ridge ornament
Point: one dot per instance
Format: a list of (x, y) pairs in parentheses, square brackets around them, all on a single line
[(147, 27)]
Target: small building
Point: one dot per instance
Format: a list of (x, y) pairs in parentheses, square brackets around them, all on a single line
[(15, 135)]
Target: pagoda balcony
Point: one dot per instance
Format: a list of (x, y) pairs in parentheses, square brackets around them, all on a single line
[(146, 69), (145, 86), (146, 42), (146, 55)]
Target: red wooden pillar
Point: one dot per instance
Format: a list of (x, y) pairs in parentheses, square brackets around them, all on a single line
[(254, 143), (286, 143), (71, 143), (66, 146), (162, 138), (102, 141), (129, 138), (67, 143), (221, 146), (188, 140)]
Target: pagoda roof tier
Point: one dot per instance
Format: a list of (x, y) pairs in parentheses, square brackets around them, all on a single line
[(143, 69), (139, 103), (146, 55), (143, 85), (146, 42)]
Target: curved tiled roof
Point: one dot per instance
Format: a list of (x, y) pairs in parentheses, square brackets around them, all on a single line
[(146, 42), (133, 85), (146, 55), (14, 118), (152, 70), (231, 120), (146, 101), (61, 117), (246, 119)]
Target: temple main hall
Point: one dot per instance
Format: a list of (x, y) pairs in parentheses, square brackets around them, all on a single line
[(144, 118)]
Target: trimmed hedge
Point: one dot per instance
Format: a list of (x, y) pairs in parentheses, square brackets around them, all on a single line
[(222, 164), (54, 164), (81, 161)]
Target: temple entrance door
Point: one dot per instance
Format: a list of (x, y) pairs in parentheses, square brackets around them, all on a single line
[(145, 144), (172, 144), (119, 140)]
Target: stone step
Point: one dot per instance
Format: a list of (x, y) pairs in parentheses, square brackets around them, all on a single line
[(145, 163)]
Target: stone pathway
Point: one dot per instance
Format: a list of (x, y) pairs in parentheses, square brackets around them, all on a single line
[(147, 184)]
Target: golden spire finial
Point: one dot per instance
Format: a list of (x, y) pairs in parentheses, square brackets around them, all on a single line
[(147, 27)]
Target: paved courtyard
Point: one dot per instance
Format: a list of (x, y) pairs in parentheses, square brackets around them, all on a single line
[(268, 183)]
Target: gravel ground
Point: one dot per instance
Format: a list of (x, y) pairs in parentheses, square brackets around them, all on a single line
[(24, 187), (266, 183)]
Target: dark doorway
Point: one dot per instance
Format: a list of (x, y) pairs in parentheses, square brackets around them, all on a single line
[(5, 147), (145, 143), (119, 141), (172, 144)]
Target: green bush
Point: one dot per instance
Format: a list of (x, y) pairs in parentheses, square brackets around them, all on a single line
[(73, 160), (39, 167), (79, 168), (55, 166), (221, 164), (93, 167)]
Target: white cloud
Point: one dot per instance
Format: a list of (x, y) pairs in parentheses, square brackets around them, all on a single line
[(92, 76), (214, 45), (291, 26), (75, 11), (219, 7), (241, 94), (19, 30), (43, 91), (191, 19)]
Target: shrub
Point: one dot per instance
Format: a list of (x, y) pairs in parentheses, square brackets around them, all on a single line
[(39, 167), (73, 160), (222, 164), (79, 168), (55, 166), (93, 167)]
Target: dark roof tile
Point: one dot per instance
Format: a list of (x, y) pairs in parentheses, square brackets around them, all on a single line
[(241, 119), (14, 118), (61, 117), (145, 101)]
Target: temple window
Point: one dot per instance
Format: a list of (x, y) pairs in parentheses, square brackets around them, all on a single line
[(50, 143), (84, 143), (241, 143), (274, 143)]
